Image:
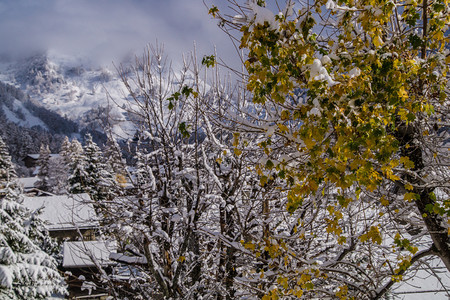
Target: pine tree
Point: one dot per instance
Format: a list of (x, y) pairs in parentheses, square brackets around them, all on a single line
[(65, 150), (6, 170), (60, 169), (114, 161), (98, 181), (44, 169), (26, 271), (77, 164)]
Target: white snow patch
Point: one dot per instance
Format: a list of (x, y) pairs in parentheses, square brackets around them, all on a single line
[(262, 15), (355, 72), (325, 60), (320, 73)]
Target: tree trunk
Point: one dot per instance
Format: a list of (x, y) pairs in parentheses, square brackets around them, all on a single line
[(406, 135)]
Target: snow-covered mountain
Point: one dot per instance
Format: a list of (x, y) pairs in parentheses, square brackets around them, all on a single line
[(67, 86), (17, 107)]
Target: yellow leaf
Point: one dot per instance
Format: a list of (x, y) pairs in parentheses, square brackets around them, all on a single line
[(410, 196), (402, 93), (408, 164), (384, 201), (263, 180), (309, 143), (409, 187), (377, 41), (283, 128), (250, 246), (373, 234), (285, 115), (236, 139), (342, 240)]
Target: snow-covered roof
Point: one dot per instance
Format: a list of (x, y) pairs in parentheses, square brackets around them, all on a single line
[(65, 212), (36, 156), (424, 282), (28, 182), (87, 254), (120, 257)]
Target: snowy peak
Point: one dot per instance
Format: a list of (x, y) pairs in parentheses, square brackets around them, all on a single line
[(62, 84), (39, 75)]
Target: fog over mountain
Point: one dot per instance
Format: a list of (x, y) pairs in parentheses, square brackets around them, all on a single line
[(61, 53), (104, 31)]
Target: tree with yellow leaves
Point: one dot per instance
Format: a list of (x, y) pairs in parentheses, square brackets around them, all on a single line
[(354, 105)]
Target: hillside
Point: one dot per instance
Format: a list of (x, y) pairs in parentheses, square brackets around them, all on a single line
[(65, 86)]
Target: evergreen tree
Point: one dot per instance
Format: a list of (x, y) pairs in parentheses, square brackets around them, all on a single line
[(7, 172), (26, 271), (43, 163), (77, 180), (89, 174), (60, 169), (65, 151), (99, 182), (114, 161), (58, 173)]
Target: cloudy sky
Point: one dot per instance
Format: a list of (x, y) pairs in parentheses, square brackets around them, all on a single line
[(106, 30)]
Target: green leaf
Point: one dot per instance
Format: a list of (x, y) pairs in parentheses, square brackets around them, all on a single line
[(438, 7), (184, 129), (269, 164), (209, 61), (186, 91), (213, 11)]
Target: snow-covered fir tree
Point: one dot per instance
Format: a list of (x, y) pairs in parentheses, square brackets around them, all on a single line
[(26, 271), (59, 172), (99, 182), (65, 150), (89, 174), (59, 169), (43, 164), (115, 164), (7, 172), (77, 167)]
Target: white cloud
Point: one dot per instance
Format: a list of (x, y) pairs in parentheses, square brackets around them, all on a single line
[(106, 30)]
